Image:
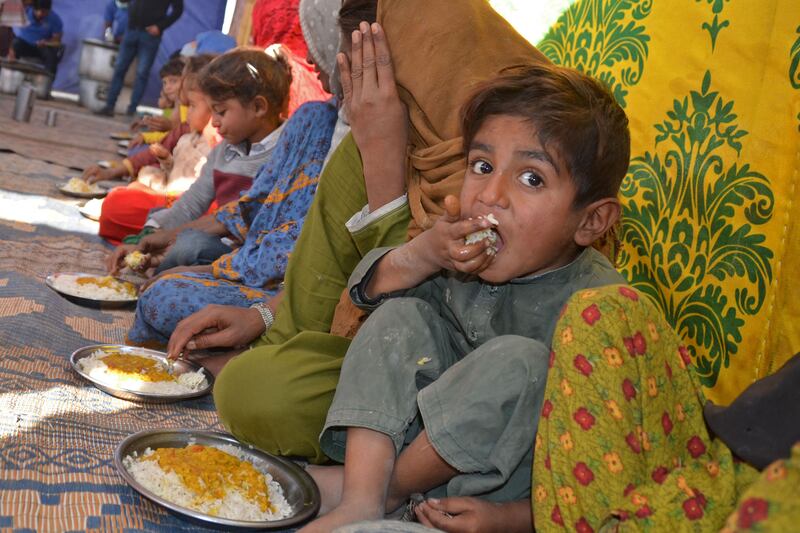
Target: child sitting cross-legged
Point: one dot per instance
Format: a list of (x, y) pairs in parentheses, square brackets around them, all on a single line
[(440, 391)]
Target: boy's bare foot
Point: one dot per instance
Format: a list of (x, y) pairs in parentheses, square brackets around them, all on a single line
[(347, 513), (329, 480)]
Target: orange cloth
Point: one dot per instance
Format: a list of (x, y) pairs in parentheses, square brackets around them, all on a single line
[(125, 210), (437, 64)]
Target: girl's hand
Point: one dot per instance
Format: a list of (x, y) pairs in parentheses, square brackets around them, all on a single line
[(116, 260), (444, 243), (158, 150), (137, 140), (378, 119)]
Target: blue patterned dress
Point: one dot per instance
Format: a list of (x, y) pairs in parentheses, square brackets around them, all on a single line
[(267, 219)]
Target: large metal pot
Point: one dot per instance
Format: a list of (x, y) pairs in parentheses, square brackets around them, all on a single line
[(93, 93), (97, 61), (14, 73)]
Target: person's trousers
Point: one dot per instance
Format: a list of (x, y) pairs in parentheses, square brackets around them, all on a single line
[(49, 55), (193, 247), (410, 369), (137, 43)]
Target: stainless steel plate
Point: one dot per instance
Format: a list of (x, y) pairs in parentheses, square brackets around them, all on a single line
[(99, 194), (51, 281), (300, 490), (121, 136), (180, 366)]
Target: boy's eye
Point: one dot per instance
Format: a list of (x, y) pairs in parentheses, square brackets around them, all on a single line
[(481, 167), (531, 179)]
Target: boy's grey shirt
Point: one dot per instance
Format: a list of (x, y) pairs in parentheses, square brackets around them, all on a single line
[(529, 306)]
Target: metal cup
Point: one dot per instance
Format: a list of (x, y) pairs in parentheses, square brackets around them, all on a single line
[(51, 118), (23, 105)]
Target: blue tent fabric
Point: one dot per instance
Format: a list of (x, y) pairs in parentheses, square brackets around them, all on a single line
[(83, 19)]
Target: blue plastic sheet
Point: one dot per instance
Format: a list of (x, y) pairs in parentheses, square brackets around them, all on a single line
[(83, 19)]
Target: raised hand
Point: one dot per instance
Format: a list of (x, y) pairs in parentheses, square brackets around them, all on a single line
[(378, 119)]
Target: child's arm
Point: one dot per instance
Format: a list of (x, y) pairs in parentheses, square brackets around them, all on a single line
[(441, 247)]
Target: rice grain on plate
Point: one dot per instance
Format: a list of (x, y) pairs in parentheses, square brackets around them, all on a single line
[(140, 373), (220, 481)]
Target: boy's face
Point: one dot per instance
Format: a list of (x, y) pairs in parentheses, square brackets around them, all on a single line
[(171, 86), (512, 176), (234, 122), (199, 113)]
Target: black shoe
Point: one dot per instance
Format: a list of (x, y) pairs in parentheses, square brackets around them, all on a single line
[(130, 112), (106, 112)]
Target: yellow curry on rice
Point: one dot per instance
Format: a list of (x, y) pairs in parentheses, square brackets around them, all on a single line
[(143, 368), (108, 282), (209, 473)]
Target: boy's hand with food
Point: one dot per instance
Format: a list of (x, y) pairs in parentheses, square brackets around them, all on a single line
[(451, 244)]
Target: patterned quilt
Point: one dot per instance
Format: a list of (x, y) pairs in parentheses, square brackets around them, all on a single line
[(57, 432)]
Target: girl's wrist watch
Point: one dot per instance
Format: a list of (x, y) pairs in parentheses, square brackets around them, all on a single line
[(266, 314)]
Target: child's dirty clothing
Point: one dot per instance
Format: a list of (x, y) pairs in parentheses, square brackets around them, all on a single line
[(463, 359)]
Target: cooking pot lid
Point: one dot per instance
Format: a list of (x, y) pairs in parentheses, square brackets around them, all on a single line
[(28, 68)]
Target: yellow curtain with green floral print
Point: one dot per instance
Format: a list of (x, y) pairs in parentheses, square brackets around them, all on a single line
[(709, 232)]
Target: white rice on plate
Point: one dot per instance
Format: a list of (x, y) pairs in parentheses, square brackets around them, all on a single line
[(185, 383), (234, 505), (103, 288), (77, 185)]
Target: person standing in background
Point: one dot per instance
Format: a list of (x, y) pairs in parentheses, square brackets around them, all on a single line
[(116, 20), (147, 20), (41, 38)]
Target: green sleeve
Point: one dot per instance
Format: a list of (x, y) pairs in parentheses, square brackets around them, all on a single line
[(389, 230), (326, 253)]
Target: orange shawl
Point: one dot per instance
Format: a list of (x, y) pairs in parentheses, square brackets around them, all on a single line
[(441, 50)]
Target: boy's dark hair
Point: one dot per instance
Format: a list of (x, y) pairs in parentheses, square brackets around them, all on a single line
[(173, 67), (572, 113), (353, 12), (192, 69), (42, 4), (248, 72)]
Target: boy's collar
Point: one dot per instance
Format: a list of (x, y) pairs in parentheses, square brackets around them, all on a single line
[(559, 272)]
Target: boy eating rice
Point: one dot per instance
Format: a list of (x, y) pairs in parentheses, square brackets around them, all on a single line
[(440, 391)]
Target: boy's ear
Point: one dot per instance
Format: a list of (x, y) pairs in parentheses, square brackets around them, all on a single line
[(261, 106), (598, 217)]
